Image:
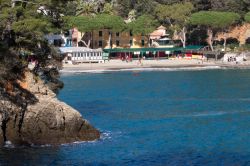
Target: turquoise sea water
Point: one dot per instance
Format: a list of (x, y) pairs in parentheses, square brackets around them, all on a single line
[(153, 118)]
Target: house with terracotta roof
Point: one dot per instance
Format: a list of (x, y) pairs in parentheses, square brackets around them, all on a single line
[(159, 33), (160, 38)]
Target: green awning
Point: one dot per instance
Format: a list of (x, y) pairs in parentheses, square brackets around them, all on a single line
[(151, 49)]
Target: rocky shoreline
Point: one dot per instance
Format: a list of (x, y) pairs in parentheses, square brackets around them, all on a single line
[(36, 117)]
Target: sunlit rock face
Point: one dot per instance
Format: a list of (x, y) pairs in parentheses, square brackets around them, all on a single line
[(240, 33), (34, 116)]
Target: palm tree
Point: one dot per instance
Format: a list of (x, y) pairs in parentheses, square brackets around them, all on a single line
[(85, 8)]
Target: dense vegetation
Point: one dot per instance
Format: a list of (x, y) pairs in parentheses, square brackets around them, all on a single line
[(23, 24), (183, 18)]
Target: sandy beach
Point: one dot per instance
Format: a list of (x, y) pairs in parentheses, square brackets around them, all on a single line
[(149, 64)]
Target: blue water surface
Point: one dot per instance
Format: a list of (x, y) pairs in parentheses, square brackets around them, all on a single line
[(155, 118)]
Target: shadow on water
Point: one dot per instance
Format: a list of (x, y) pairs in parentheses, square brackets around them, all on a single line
[(55, 156), (29, 156), (191, 158)]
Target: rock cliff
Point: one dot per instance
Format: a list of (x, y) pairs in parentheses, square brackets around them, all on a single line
[(35, 116), (241, 33)]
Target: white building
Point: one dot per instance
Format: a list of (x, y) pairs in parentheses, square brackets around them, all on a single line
[(60, 40), (74, 55)]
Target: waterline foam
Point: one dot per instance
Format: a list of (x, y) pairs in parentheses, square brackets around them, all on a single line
[(143, 69)]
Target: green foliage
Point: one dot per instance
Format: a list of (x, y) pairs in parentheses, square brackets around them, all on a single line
[(85, 8), (100, 21), (23, 26), (144, 6), (36, 26), (144, 24), (247, 17), (123, 7), (83, 23), (112, 22), (178, 13), (214, 19), (245, 47), (70, 8), (238, 6), (108, 9)]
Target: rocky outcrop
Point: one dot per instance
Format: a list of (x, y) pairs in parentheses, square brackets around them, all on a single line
[(42, 119), (241, 33)]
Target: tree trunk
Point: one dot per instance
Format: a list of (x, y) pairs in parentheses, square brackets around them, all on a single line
[(110, 38), (183, 37), (13, 4), (148, 38), (86, 44), (175, 35), (210, 38), (225, 42), (39, 45), (170, 22), (92, 38)]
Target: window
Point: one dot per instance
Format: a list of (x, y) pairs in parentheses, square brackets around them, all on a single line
[(100, 33), (68, 43), (100, 43), (66, 33), (111, 43), (131, 42), (117, 43), (117, 34), (131, 34), (58, 42), (142, 42)]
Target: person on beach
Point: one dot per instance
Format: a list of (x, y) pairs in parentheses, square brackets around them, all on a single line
[(140, 61)]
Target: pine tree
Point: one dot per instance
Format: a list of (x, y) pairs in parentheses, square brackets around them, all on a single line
[(23, 25)]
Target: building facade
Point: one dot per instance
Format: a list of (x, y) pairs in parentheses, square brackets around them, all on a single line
[(70, 38), (107, 39), (74, 55)]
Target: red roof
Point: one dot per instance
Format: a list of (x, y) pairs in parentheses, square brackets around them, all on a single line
[(157, 34)]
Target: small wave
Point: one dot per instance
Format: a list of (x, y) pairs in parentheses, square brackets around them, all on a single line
[(142, 69), (152, 100), (41, 146), (106, 135), (8, 144), (77, 143), (207, 114), (173, 68)]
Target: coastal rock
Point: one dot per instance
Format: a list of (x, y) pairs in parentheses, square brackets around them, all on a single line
[(1, 132), (41, 120), (240, 32)]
